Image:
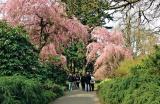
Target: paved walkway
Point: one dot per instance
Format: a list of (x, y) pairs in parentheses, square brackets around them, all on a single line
[(78, 97)]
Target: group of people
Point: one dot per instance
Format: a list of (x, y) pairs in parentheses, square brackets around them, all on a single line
[(86, 80)]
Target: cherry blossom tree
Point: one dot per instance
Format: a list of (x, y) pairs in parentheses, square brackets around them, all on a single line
[(106, 51), (50, 30), (46, 21)]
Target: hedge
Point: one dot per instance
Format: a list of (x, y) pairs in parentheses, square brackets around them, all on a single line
[(142, 86), (21, 90)]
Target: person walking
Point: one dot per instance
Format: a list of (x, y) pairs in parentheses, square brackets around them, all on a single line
[(83, 80), (74, 81), (92, 82), (77, 80), (70, 82), (88, 79)]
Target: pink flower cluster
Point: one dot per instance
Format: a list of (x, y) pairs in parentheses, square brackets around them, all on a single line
[(60, 28), (106, 51)]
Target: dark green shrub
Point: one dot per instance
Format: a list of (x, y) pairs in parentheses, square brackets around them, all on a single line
[(49, 96), (125, 90), (17, 55), (57, 74), (148, 93), (57, 89), (20, 90)]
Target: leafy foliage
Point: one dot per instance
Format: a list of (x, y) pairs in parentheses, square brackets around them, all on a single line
[(89, 12), (17, 55), (23, 77), (131, 90), (20, 90), (56, 74), (150, 65), (75, 54), (125, 66), (141, 87), (51, 86)]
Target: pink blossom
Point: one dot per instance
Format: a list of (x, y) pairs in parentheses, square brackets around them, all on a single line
[(92, 51), (59, 27), (110, 48), (100, 34), (47, 51)]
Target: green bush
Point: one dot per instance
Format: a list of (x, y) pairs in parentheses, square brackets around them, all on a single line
[(57, 89), (20, 90), (49, 96), (125, 90), (126, 66), (57, 74), (150, 65), (148, 93), (142, 86), (23, 77), (17, 55)]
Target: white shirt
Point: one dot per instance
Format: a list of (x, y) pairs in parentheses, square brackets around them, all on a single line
[(92, 80)]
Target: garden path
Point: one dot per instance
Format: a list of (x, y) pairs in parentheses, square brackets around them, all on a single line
[(78, 97)]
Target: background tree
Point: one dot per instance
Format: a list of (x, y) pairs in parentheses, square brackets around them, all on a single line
[(145, 7), (140, 40), (89, 12), (140, 30), (75, 54)]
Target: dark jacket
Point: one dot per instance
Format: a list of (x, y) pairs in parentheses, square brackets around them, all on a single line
[(70, 78), (83, 79), (77, 79), (88, 79)]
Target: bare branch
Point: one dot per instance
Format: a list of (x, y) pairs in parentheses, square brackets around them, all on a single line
[(124, 5)]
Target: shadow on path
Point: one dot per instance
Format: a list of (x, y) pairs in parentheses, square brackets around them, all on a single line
[(78, 97)]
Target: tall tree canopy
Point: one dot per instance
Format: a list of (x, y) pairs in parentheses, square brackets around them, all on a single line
[(75, 54), (90, 12)]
